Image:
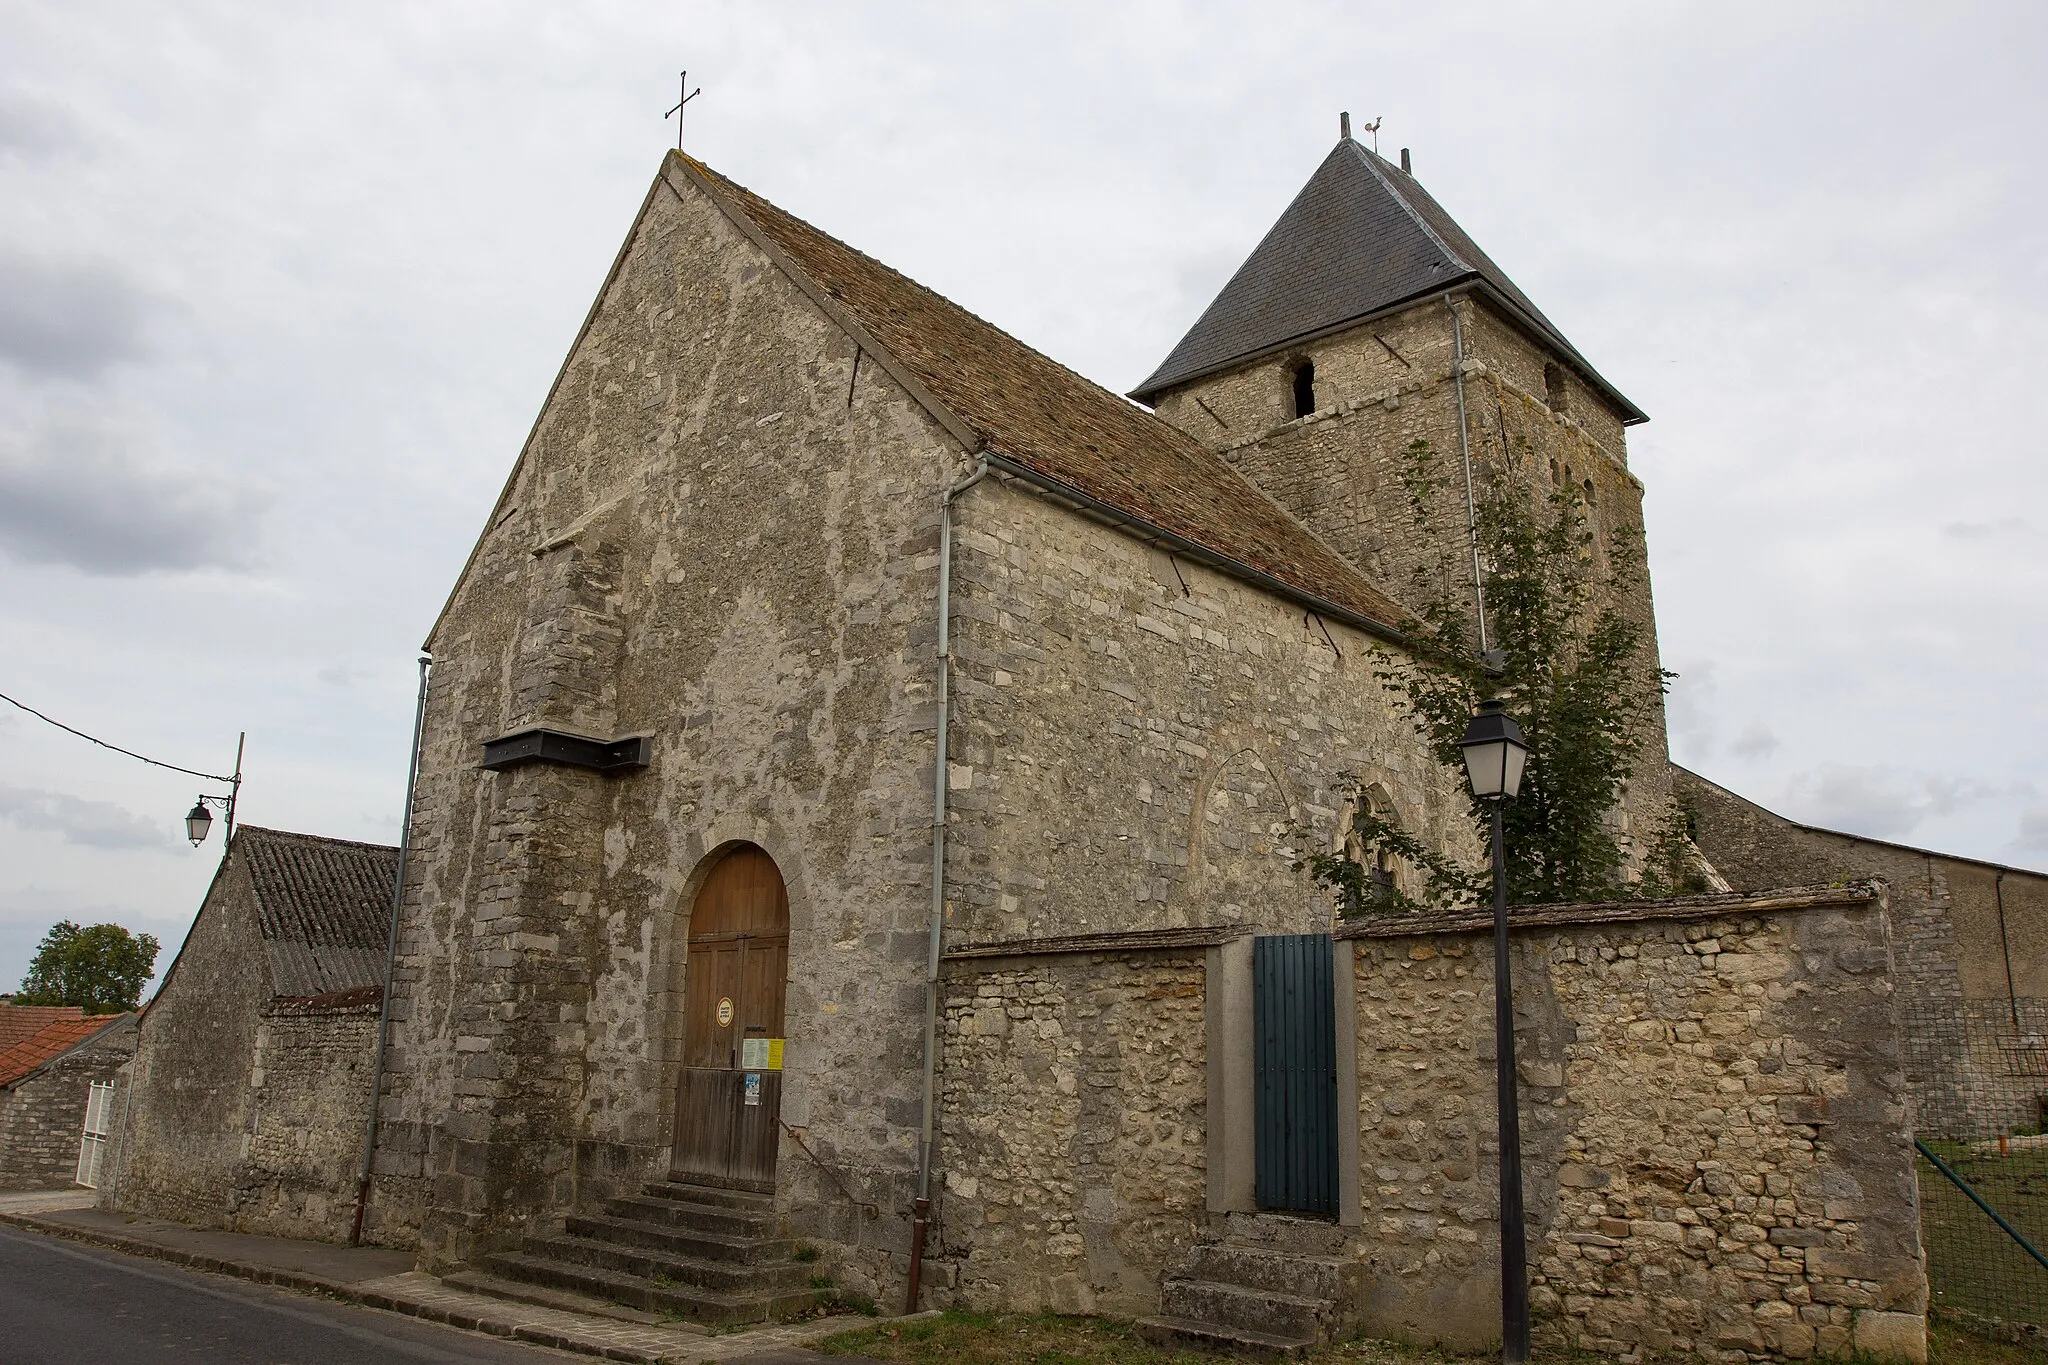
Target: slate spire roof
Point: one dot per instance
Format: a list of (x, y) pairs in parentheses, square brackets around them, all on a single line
[(1363, 237)]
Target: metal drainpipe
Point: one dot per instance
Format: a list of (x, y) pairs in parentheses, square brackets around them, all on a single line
[(923, 1205), (1465, 452), (412, 773)]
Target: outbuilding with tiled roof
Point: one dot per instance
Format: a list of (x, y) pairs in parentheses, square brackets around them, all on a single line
[(52, 1076), (252, 1083)]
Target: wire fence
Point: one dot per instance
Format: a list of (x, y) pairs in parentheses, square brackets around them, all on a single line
[(1983, 1218), (1983, 1162)]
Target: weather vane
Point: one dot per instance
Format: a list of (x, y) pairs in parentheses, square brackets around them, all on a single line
[(1374, 129), (687, 95)]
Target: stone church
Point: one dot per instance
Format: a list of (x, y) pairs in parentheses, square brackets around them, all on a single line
[(863, 781)]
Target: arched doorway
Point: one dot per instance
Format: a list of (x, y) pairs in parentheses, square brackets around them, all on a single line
[(728, 1100)]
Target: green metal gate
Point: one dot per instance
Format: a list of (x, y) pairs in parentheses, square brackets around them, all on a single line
[(1294, 1072)]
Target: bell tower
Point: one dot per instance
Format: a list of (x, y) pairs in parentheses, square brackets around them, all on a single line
[(1366, 332)]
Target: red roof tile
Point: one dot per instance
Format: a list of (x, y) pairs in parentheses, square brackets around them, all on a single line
[(18, 1023), (27, 1057)]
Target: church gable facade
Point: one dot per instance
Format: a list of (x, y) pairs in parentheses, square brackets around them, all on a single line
[(720, 552), (864, 774), (720, 539)]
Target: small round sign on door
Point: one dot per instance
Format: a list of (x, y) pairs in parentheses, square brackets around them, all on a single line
[(725, 1012)]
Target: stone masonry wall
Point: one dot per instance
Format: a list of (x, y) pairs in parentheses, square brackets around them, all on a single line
[(721, 534), (188, 1116), (310, 1103), (1381, 387), (1714, 1126), (1137, 740), (1072, 1122), (43, 1117), (1972, 943)]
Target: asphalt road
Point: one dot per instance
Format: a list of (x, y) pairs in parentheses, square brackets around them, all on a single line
[(61, 1303)]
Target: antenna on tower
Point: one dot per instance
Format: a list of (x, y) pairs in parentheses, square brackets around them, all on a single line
[(687, 95)]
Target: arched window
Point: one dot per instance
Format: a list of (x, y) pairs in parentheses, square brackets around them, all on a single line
[(1380, 873), (1383, 872), (1304, 388)]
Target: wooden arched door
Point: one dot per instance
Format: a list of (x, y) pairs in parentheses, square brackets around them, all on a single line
[(729, 1098)]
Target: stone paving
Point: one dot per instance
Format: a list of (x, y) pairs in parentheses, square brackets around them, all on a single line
[(380, 1278)]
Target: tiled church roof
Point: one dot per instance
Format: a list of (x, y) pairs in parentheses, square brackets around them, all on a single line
[(323, 906), (1046, 418), (1362, 237)]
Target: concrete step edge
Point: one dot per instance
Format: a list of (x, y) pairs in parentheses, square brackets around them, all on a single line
[(711, 1304), (566, 1246), (1311, 1304), (1212, 1336), (567, 1300)]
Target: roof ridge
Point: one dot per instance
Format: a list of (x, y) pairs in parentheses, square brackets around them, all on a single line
[(981, 382), (1372, 161), (297, 836), (1122, 400)]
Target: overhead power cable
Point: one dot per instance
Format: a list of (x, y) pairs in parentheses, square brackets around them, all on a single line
[(153, 762)]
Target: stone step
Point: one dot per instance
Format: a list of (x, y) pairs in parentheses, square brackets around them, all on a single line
[(1276, 1314), (702, 1246), (1338, 1278), (726, 1222), (684, 1192), (708, 1246), (656, 1263), (1188, 1334), (1298, 1234), (636, 1291), (520, 1291)]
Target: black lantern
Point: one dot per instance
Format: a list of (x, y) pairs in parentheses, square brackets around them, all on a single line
[(198, 821), (1494, 753)]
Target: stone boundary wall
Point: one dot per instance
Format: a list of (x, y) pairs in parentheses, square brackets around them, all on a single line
[(1715, 1129), (43, 1117), (1971, 940), (1073, 1138), (310, 1103)]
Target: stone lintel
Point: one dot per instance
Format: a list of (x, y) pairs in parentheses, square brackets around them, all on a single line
[(1136, 940), (1621, 912)]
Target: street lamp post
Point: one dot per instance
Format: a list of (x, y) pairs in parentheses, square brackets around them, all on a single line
[(199, 820), (1494, 754)]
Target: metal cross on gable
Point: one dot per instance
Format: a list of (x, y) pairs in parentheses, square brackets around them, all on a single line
[(687, 95)]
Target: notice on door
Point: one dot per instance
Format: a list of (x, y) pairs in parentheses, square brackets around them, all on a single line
[(761, 1054), (754, 1088)]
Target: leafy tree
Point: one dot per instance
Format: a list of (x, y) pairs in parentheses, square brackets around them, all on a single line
[(1576, 674), (101, 969)]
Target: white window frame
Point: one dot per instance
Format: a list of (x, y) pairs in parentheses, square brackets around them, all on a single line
[(92, 1143)]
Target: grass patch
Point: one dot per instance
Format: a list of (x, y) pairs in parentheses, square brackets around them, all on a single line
[(1948, 1344)]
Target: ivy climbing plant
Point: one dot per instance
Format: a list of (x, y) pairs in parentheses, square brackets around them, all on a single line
[(1574, 670)]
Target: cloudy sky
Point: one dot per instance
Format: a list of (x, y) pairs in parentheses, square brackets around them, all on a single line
[(282, 286)]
